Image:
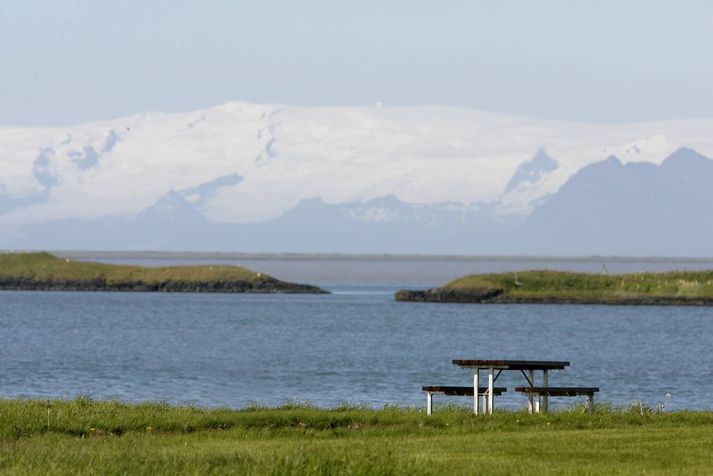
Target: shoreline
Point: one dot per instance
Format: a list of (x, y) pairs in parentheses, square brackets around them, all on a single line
[(670, 288), (170, 286), (437, 296), (46, 272)]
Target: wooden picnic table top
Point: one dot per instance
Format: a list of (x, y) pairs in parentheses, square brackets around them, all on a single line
[(512, 364)]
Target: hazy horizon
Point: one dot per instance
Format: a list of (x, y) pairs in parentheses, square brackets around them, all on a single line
[(74, 61)]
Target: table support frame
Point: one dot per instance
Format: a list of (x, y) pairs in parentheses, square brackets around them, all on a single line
[(535, 403), (476, 386), (491, 384)]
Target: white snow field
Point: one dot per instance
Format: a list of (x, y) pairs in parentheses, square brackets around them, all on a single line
[(284, 154)]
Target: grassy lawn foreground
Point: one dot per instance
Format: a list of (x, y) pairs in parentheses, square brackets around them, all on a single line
[(89, 437)]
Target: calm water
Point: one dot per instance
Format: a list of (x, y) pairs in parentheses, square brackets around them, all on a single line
[(356, 345)]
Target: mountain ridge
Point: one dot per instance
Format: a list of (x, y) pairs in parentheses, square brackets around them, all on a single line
[(241, 176)]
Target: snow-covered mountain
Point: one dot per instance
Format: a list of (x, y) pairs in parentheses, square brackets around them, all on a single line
[(245, 177)]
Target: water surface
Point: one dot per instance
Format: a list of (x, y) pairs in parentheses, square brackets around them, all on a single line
[(356, 345)]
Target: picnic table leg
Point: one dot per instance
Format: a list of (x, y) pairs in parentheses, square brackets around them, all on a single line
[(429, 403), (491, 381), (545, 398), (590, 402), (530, 398), (476, 386)]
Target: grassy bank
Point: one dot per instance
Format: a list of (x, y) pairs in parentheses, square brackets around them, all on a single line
[(680, 287), (46, 271), (83, 436)]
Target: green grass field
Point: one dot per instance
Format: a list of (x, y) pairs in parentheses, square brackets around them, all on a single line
[(89, 437)]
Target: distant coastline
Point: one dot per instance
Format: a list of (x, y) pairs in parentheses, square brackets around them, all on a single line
[(201, 255)]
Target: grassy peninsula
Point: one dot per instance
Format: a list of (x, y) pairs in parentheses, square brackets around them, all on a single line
[(44, 271), (558, 287), (90, 437)]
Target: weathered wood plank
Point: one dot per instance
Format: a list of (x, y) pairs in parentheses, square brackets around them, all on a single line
[(512, 364), (558, 391), (461, 391)]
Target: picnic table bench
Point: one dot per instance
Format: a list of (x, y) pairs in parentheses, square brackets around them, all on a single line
[(562, 392), (455, 391)]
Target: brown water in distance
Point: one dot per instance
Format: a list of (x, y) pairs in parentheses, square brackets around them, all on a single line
[(414, 272)]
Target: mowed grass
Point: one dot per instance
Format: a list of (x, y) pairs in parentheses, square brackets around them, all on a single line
[(47, 267), (90, 437), (559, 284)]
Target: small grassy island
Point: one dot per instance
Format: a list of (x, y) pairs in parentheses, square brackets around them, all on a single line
[(46, 272), (558, 287)]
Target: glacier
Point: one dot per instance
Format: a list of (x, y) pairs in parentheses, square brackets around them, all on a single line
[(240, 166)]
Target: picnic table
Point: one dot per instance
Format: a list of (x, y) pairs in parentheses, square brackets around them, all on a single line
[(496, 367)]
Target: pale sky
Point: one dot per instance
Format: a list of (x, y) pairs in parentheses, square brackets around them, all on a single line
[(69, 61)]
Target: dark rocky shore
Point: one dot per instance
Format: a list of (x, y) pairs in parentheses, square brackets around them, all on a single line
[(266, 286), (499, 296)]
